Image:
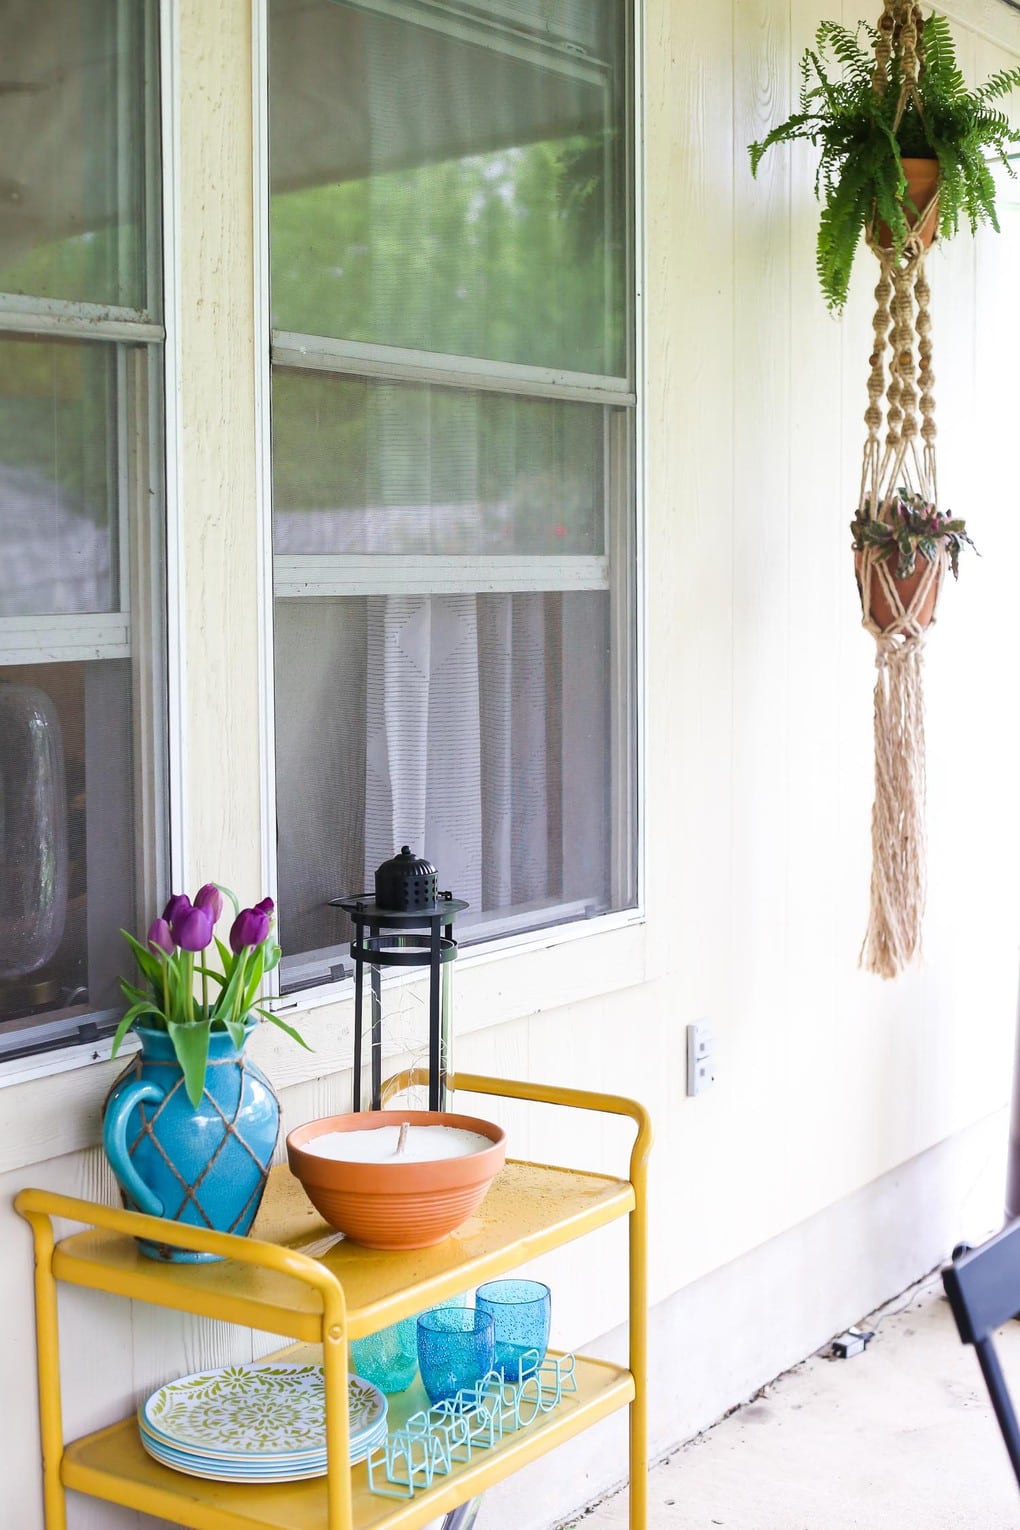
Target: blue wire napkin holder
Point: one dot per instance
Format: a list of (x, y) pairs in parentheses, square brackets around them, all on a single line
[(433, 1441)]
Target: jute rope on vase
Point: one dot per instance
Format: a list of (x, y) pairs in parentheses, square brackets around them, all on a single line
[(898, 614)]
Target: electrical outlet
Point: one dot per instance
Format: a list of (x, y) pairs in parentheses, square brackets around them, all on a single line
[(700, 1060)]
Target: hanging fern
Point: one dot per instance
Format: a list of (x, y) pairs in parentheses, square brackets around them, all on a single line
[(859, 179)]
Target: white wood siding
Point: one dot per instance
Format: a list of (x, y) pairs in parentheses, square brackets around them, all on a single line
[(758, 782)]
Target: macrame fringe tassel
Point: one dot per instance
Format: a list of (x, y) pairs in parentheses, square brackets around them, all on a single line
[(898, 880)]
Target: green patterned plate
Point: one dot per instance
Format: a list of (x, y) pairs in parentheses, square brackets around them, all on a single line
[(265, 1412), (281, 1469)]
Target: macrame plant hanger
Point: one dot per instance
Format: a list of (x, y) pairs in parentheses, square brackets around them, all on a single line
[(898, 613)]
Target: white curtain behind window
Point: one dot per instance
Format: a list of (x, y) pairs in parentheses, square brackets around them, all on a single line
[(518, 806), (457, 742), (471, 727)]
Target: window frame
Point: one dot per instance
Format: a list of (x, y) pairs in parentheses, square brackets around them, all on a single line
[(142, 627), (293, 576)]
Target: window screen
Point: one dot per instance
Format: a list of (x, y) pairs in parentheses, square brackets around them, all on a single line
[(81, 630), (453, 482)]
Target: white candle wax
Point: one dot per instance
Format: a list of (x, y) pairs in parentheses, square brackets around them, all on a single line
[(379, 1145)]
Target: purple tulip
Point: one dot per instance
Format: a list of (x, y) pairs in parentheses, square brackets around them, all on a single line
[(192, 928), (250, 928), (159, 937), (177, 905), (266, 906), (210, 898)]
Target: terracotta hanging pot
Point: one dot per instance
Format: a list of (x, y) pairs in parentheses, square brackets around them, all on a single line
[(922, 185), (880, 609)]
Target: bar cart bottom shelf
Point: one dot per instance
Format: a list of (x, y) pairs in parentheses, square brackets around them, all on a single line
[(111, 1464)]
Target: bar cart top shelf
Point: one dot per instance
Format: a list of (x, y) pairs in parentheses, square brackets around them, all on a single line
[(529, 1209)]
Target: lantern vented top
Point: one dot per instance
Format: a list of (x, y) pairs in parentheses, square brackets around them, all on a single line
[(406, 883)]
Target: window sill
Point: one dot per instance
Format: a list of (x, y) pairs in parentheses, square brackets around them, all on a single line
[(53, 1102), (493, 985), (529, 948), (20, 1070)]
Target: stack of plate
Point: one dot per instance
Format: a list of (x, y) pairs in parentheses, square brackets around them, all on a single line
[(255, 1423)]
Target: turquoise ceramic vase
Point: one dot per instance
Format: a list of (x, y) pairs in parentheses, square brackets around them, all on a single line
[(206, 1167)]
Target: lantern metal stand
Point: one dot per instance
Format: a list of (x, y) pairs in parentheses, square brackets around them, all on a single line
[(390, 931)]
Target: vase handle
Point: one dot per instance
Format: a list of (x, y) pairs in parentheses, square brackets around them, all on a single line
[(115, 1123)]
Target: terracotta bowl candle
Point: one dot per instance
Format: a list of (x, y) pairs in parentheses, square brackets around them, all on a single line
[(396, 1178)]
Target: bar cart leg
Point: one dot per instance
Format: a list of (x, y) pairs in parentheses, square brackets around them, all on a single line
[(638, 1495), (462, 1518), (51, 1424), (339, 1514)]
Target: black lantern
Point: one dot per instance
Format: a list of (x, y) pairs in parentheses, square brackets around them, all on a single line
[(408, 924)]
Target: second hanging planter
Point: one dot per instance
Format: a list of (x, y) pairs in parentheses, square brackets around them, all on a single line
[(889, 602)]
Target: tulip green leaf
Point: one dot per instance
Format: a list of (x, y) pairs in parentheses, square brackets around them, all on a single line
[(136, 995), (128, 1020), (253, 978), (237, 1030), (191, 1044), (151, 965), (217, 977), (282, 1025), (229, 1006)]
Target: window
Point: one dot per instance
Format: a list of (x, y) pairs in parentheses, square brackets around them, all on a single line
[(453, 457), (81, 773)]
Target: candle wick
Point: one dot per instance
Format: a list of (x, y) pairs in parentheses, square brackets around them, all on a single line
[(405, 1127)]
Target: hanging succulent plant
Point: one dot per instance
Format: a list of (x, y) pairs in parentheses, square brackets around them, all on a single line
[(910, 526)]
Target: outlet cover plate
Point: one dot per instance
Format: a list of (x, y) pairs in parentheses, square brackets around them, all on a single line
[(700, 1062)]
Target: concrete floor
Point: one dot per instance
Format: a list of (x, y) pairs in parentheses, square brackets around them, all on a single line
[(901, 1437)]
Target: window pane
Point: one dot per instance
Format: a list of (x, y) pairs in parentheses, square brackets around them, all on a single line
[(83, 800), (72, 136), (67, 832), (362, 466), (451, 185), (456, 672), (473, 727), (58, 477)]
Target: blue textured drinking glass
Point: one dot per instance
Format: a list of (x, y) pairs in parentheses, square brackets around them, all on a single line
[(389, 1358), (455, 1349), (520, 1311)]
